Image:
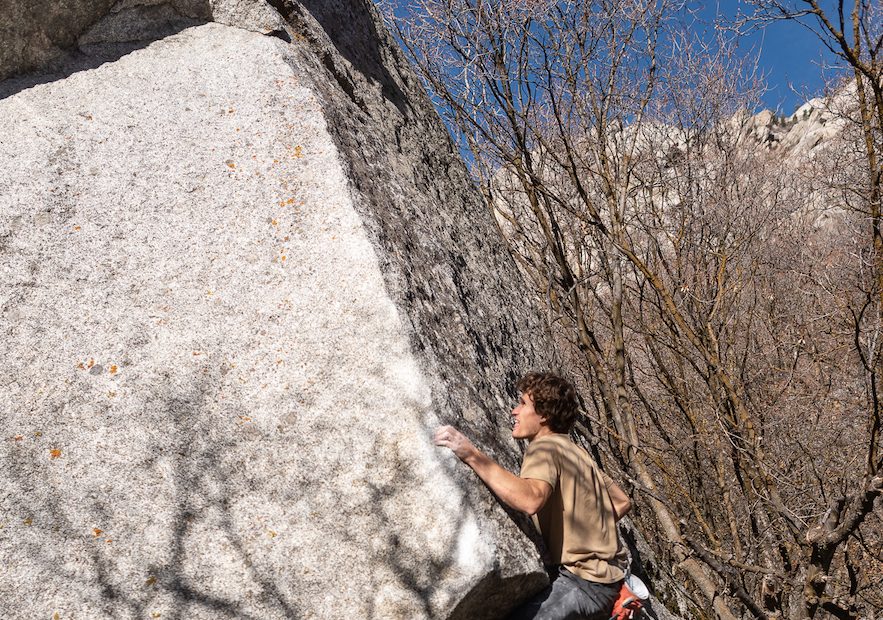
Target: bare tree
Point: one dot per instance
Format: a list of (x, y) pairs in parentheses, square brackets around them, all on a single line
[(854, 33)]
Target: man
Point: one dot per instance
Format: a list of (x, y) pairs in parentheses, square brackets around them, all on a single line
[(573, 503)]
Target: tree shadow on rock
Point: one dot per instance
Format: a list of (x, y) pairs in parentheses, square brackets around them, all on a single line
[(200, 497), (202, 486)]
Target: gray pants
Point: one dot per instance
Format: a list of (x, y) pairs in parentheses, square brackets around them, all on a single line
[(570, 598)]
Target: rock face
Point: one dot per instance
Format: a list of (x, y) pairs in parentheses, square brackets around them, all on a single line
[(241, 281)]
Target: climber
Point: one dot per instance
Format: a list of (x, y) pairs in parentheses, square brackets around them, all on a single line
[(572, 502)]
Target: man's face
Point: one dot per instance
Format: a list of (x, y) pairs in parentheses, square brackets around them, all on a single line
[(528, 423)]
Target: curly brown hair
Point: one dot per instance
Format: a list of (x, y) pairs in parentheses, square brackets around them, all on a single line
[(553, 398)]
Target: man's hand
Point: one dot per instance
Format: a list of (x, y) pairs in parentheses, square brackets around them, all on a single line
[(450, 437)]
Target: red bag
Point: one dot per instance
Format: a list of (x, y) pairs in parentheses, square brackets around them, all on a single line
[(629, 602)]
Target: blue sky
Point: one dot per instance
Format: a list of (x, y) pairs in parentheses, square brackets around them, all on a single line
[(790, 56)]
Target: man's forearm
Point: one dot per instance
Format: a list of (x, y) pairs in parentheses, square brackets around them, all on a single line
[(515, 492), (519, 493)]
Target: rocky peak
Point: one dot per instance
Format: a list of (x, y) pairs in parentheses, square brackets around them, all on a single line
[(798, 135)]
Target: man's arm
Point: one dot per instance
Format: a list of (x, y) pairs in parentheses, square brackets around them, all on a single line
[(621, 502), (526, 495)]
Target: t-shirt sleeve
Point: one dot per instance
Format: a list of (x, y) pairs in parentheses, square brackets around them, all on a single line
[(541, 462)]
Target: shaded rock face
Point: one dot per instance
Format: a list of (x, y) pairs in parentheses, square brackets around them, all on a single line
[(38, 33), (241, 281)]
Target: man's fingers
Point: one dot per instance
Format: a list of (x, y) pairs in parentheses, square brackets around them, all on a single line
[(444, 436), (449, 437)]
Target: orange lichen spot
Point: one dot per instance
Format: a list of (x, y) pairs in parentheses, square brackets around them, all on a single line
[(237, 129), (274, 222), (17, 438), (96, 532), (298, 151), (150, 581), (230, 164), (80, 366), (54, 453), (290, 201), (38, 434), (243, 419), (275, 161), (155, 614), (279, 362), (91, 362), (286, 238), (76, 228), (113, 369), (28, 521), (209, 293), (108, 540), (283, 258), (231, 111), (271, 534), (197, 353)]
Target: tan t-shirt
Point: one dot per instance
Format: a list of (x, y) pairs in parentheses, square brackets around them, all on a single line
[(577, 522)]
